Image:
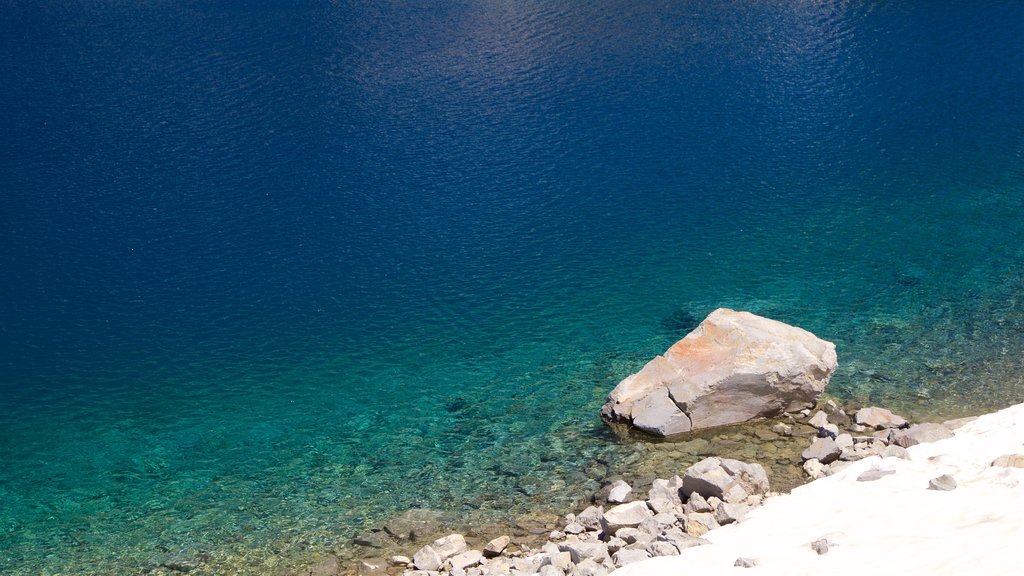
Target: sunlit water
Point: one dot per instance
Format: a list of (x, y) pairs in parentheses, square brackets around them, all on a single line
[(275, 271)]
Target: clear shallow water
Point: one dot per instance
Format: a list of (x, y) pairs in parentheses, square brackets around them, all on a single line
[(275, 271)]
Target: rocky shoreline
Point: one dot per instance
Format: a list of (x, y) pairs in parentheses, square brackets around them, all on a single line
[(733, 369), (631, 522)]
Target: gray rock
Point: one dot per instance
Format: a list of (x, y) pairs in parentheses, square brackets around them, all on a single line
[(589, 567), (664, 506), (450, 546), (699, 523), (1009, 461), (556, 535), (734, 367), (783, 429), (717, 476), (634, 535), (497, 546), (878, 418), (580, 551), (844, 441), (427, 559), (942, 483), (820, 546), (831, 430), (623, 557), (697, 503), (667, 490), (815, 469), (727, 512), (681, 540), (664, 520), (592, 518), (650, 526), (628, 515), (560, 560), (574, 528), (921, 433), (893, 451), (874, 474), (662, 548), (819, 420), (400, 560), (466, 559), (823, 450), (529, 564), (746, 562), (615, 544), (619, 492)]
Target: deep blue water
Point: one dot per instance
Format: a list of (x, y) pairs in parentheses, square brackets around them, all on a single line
[(274, 271)]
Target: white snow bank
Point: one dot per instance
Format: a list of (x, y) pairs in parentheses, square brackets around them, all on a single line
[(893, 525)]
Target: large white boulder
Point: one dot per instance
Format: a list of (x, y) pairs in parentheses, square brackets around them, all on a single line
[(734, 367)]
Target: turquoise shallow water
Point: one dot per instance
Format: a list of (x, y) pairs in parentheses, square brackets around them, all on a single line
[(276, 272)]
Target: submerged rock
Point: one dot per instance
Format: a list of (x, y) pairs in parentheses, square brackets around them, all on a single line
[(879, 418), (734, 367)]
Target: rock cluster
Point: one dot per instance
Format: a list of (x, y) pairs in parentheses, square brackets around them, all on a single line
[(673, 517), (733, 368), (869, 432)]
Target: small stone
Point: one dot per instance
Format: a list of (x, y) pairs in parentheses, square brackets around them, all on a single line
[(660, 548), (663, 506), (615, 544), (943, 483), (628, 515), (667, 489), (633, 535), (591, 518), (746, 562), (824, 450), (400, 560), (878, 418), (893, 451), (1009, 461), (697, 503), (921, 433), (580, 551), (450, 546), (815, 469), (727, 512), (427, 559), (699, 523), (874, 474), (497, 546), (783, 429), (556, 535), (466, 559), (574, 528), (619, 492), (681, 540), (831, 431), (844, 441), (589, 567), (819, 420), (624, 557), (858, 428), (820, 546)]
